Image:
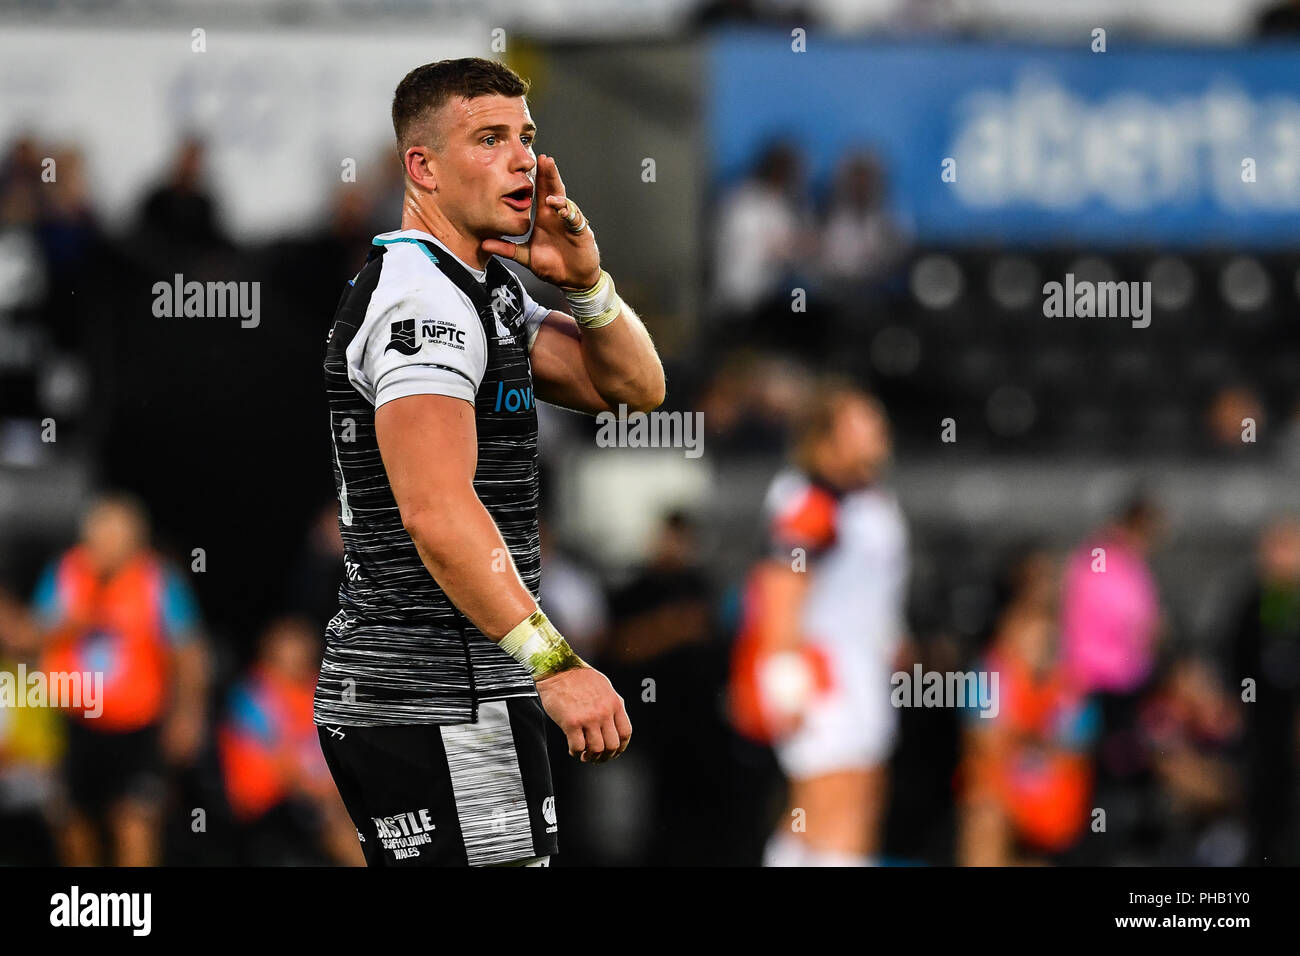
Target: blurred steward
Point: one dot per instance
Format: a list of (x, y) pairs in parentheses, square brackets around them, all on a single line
[(751, 403), (31, 743), (822, 626), (575, 600), (1234, 408), (1265, 651), (277, 783), (860, 240), (663, 652), (1026, 773), (764, 235), (1191, 730), (180, 211), (317, 571), (111, 606), (573, 595), (21, 192)]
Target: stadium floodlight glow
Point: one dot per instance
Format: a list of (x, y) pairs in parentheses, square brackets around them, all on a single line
[(1093, 269), (1244, 284), (1173, 283), (1014, 282), (936, 281)]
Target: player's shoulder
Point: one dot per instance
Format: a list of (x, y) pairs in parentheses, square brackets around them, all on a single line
[(881, 499), (410, 278), (875, 513), (801, 508)]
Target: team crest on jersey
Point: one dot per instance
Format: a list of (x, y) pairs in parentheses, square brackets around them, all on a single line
[(507, 311)]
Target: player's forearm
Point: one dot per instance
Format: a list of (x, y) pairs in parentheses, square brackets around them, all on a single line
[(622, 363), (782, 593), (462, 548), (619, 358)]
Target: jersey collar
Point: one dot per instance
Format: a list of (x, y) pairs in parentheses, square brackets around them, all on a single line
[(420, 236)]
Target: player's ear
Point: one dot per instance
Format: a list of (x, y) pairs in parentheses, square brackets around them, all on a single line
[(421, 168)]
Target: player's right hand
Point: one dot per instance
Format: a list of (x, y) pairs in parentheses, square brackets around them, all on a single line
[(554, 252), (586, 707)]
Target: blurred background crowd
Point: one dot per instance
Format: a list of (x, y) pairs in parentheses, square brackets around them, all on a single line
[(168, 516)]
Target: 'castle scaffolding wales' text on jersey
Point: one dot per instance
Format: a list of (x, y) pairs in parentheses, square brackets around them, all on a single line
[(416, 320)]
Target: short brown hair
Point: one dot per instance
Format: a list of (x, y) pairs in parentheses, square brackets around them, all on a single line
[(427, 88), (817, 419)]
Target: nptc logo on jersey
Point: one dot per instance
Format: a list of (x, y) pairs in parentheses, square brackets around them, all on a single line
[(407, 339)]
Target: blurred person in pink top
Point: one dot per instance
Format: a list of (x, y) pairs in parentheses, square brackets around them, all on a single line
[(1111, 626), (1110, 608)]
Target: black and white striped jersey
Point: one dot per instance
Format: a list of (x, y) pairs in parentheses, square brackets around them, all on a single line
[(417, 320)]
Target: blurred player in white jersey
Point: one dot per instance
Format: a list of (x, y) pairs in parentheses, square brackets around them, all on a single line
[(823, 621)]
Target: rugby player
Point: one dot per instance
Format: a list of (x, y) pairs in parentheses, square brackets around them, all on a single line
[(440, 667), (823, 622)]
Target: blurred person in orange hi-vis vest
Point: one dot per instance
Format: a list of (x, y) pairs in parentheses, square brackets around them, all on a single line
[(1026, 776), (115, 616), (277, 782)]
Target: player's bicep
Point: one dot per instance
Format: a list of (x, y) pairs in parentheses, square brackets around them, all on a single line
[(780, 591), (559, 373), (429, 446)]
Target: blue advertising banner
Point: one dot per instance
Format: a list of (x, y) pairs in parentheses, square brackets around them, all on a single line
[(1133, 146)]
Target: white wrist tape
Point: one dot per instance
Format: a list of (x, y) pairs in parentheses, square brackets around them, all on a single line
[(597, 306), (535, 643)]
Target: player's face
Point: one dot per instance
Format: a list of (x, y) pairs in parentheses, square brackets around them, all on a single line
[(487, 164), (861, 439)]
